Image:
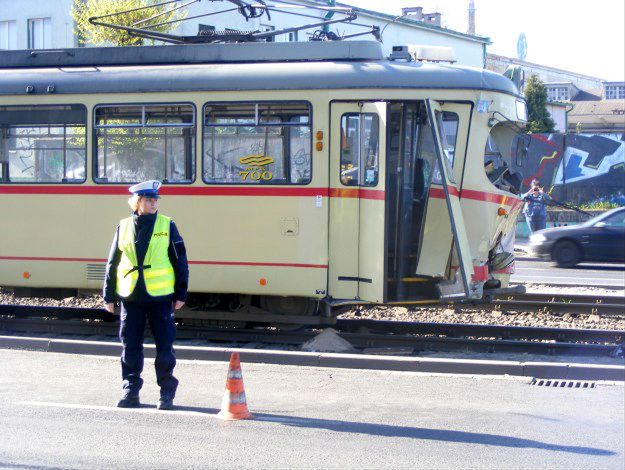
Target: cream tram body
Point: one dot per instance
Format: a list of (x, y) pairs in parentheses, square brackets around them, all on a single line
[(338, 232)]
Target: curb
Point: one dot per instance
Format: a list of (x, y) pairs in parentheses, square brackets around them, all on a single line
[(542, 370)]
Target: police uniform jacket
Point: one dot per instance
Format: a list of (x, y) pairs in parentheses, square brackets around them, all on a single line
[(144, 225)]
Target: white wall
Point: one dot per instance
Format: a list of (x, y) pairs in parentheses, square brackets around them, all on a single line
[(547, 74), (558, 114), (20, 11), (467, 51)]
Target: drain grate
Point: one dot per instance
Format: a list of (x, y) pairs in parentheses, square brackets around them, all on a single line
[(562, 383)]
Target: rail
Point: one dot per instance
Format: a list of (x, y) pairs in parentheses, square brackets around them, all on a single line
[(608, 305), (360, 333)]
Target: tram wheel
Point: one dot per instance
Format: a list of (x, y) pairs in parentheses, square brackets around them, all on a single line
[(300, 306), (566, 254)]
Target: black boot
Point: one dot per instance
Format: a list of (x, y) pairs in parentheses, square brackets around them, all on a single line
[(129, 401), (165, 403)]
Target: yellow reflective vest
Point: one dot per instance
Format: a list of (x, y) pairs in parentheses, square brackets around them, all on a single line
[(158, 273)]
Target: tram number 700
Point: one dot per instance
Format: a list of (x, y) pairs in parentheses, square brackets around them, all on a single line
[(256, 174)]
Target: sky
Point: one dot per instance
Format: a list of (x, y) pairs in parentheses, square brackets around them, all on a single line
[(586, 37)]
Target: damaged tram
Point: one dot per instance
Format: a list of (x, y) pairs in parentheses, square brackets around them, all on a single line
[(305, 177)]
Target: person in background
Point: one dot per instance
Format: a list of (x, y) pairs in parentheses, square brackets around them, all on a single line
[(147, 270), (535, 209)]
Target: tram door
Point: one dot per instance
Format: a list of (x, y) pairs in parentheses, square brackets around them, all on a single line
[(438, 237), (356, 244), (448, 230)]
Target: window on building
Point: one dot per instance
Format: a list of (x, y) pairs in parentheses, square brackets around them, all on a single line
[(8, 35), (360, 149), (143, 142), (257, 143), (264, 28), (43, 144), (615, 92), (39, 33), (558, 93)]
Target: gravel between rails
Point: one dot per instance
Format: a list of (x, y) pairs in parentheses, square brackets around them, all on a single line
[(486, 315), (445, 314)]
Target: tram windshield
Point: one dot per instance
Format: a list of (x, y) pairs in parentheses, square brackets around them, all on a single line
[(505, 148)]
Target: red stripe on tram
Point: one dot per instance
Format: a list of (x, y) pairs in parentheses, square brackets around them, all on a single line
[(220, 263), (47, 258), (166, 190), (250, 263), (474, 195), (439, 193), (198, 191), (361, 193)]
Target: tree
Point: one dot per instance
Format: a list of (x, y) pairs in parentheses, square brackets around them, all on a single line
[(539, 120), (95, 35)]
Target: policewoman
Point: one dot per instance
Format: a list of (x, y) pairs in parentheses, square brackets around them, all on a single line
[(147, 271)]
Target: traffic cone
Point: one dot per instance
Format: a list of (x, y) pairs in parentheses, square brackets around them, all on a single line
[(234, 403)]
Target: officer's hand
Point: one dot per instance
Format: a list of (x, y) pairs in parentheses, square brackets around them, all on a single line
[(178, 304), (110, 307)]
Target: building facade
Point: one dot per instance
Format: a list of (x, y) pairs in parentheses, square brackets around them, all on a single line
[(577, 102), (36, 24), (548, 75), (33, 24)]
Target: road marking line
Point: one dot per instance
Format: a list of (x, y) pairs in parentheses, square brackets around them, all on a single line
[(575, 280), (553, 273), (114, 408)]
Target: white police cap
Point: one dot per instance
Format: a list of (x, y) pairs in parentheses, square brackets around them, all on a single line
[(146, 189)]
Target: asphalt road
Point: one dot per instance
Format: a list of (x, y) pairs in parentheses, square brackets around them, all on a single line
[(56, 412), (586, 274)]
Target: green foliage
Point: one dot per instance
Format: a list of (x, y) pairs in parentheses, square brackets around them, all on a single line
[(599, 205), (539, 120), (82, 10)]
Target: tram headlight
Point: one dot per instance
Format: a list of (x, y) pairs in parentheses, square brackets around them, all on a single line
[(537, 238)]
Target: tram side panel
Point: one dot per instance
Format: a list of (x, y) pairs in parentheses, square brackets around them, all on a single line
[(270, 241), (265, 245)]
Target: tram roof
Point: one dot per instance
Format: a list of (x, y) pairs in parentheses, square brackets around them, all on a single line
[(230, 67)]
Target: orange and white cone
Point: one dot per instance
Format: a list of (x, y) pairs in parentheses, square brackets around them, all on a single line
[(234, 403)]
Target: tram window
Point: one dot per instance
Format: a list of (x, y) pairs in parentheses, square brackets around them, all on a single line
[(142, 142), (448, 124), (257, 143), (501, 146), (43, 144), (360, 149)]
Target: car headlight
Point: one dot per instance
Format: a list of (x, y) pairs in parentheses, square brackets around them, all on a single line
[(537, 238)]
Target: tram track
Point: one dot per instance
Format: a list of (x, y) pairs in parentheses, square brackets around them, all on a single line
[(361, 333), (562, 303)]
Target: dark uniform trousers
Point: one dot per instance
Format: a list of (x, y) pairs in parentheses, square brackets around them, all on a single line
[(131, 332)]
